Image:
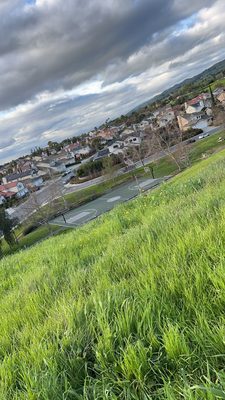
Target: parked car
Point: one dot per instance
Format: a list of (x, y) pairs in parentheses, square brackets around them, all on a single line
[(68, 177), (203, 135), (192, 140)]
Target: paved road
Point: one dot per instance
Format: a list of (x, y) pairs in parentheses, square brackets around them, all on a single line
[(56, 188), (93, 209)]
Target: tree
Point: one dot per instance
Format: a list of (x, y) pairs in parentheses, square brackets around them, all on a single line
[(108, 169), (218, 115), (7, 224), (96, 144), (171, 143), (1, 251), (54, 146), (109, 165), (55, 203), (148, 147), (90, 168)]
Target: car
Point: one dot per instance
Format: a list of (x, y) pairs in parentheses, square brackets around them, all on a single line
[(203, 135), (221, 139), (192, 140), (68, 177)]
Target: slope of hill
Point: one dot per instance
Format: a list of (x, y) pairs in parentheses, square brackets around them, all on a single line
[(131, 306)]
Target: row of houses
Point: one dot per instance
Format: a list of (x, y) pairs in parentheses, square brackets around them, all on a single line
[(19, 184), (194, 114), (198, 111)]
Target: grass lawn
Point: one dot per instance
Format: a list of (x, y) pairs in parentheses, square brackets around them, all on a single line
[(207, 146), (130, 306), (218, 83), (30, 239)]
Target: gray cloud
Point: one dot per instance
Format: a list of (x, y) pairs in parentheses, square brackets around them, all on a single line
[(133, 49), (6, 143), (64, 43)]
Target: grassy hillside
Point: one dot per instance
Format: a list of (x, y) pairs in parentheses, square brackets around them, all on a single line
[(131, 306)]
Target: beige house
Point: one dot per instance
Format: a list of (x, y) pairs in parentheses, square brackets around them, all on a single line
[(196, 121), (221, 97)]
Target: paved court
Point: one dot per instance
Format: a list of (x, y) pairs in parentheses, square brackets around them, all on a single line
[(93, 209)]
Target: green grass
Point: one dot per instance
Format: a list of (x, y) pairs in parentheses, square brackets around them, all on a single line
[(130, 306), (29, 240), (218, 83), (207, 146)]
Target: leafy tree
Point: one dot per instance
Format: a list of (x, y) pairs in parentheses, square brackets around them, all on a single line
[(96, 144), (90, 168), (7, 225), (1, 251)]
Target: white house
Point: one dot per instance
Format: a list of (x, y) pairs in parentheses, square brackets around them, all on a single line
[(132, 141), (16, 189), (197, 104), (165, 118), (143, 124), (83, 151), (126, 132), (116, 148)]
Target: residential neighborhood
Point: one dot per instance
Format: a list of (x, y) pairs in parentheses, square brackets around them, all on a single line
[(36, 171)]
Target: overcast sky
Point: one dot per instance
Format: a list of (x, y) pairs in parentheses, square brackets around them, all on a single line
[(67, 65)]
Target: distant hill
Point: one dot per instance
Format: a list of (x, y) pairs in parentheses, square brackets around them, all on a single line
[(206, 75)]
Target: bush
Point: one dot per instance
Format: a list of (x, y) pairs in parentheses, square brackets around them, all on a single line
[(29, 229), (192, 132), (90, 168)]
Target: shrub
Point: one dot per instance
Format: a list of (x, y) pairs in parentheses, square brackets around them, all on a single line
[(90, 168), (29, 229)]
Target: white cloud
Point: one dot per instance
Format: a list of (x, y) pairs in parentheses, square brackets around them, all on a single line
[(70, 71)]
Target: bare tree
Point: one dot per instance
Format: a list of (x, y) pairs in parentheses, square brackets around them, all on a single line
[(171, 143), (141, 152), (219, 115), (108, 168), (40, 212)]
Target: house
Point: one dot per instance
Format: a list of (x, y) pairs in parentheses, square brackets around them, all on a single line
[(221, 97), (143, 124), (81, 151), (126, 132), (132, 141), (198, 104), (101, 154), (12, 189), (218, 91), (20, 176), (68, 161), (116, 148), (57, 166), (195, 121), (106, 134), (165, 117), (70, 148), (35, 183)]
